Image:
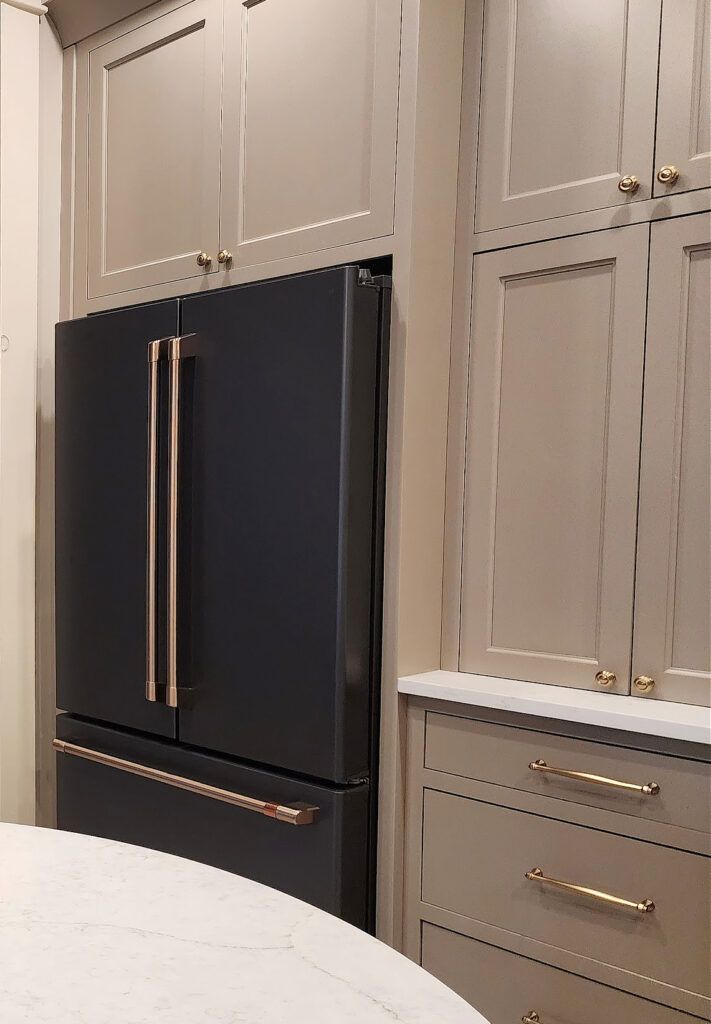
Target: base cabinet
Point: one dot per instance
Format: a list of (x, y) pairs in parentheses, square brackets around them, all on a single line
[(507, 988)]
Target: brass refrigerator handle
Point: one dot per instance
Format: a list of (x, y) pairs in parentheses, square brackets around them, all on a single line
[(291, 814), (171, 695), (644, 907), (156, 351), (648, 789)]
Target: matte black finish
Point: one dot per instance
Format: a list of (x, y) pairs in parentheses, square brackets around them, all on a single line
[(324, 864), (101, 454), (280, 415)]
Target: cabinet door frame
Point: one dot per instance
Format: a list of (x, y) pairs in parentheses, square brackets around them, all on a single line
[(378, 220), (173, 19), (673, 245), (680, 60), (626, 248), (636, 141)]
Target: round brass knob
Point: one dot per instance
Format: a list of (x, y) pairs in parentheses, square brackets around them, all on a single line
[(204, 260), (530, 1018), (605, 678), (644, 684), (628, 184), (668, 175), (224, 256)]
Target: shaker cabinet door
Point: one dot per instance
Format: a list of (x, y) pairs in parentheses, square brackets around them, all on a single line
[(148, 150), (309, 128), (567, 107), (672, 639), (555, 386), (684, 112)]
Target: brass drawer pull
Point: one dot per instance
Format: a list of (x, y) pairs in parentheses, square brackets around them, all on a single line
[(291, 814), (645, 907), (531, 1018), (648, 789)]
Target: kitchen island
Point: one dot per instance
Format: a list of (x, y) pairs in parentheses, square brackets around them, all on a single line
[(94, 930)]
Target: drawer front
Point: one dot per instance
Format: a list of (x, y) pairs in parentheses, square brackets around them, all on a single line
[(502, 755), (475, 860), (505, 988)]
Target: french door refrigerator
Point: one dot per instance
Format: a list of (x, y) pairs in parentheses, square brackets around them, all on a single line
[(219, 507)]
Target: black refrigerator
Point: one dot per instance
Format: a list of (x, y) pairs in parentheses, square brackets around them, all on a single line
[(219, 522)]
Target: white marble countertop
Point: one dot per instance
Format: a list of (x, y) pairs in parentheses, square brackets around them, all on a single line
[(610, 711), (96, 932)]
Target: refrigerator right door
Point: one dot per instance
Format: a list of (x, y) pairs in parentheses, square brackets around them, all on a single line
[(278, 445)]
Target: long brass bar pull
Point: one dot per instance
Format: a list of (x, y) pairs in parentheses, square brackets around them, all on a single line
[(171, 696), (648, 789), (645, 907), (154, 689), (179, 349), (290, 814)]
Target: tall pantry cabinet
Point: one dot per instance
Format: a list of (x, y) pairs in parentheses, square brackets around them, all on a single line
[(571, 568)]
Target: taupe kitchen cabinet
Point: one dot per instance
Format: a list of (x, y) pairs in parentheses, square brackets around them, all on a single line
[(568, 96), (672, 635), (683, 149), (148, 149), (309, 125), (220, 134), (550, 499)]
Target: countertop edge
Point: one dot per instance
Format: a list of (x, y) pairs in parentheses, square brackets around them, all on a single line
[(610, 711)]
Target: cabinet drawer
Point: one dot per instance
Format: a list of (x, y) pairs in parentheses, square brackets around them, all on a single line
[(475, 860), (505, 987), (502, 755)]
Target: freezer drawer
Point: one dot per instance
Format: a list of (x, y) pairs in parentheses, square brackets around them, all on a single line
[(271, 835)]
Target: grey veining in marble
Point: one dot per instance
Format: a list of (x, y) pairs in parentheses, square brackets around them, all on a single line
[(96, 932)]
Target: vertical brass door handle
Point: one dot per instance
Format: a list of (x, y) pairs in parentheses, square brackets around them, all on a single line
[(154, 690), (629, 183), (605, 678), (668, 175)]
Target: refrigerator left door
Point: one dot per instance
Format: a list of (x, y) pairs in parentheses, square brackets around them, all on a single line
[(101, 456)]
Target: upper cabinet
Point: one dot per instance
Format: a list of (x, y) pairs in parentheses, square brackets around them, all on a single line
[(309, 126), (572, 95), (550, 505), (567, 107), (683, 152), (215, 135), (148, 150), (672, 640)]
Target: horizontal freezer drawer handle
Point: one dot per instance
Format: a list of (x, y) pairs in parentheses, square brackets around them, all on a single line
[(292, 814), (644, 907), (648, 789)]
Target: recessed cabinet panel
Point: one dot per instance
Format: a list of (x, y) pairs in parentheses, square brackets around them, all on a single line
[(309, 125), (551, 468), (672, 642), (567, 107), (152, 160), (684, 113)]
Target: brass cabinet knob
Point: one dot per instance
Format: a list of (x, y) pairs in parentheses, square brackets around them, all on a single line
[(204, 260), (668, 175), (605, 678), (644, 684), (629, 184), (224, 256), (531, 1018)]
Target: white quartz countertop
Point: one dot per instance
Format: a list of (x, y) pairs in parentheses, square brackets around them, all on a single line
[(96, 931), (610, 711)]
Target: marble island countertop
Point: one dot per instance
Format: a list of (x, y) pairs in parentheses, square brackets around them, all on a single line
[(96, 931)]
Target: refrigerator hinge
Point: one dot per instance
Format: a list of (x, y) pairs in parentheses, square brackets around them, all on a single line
[(366, 279)]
